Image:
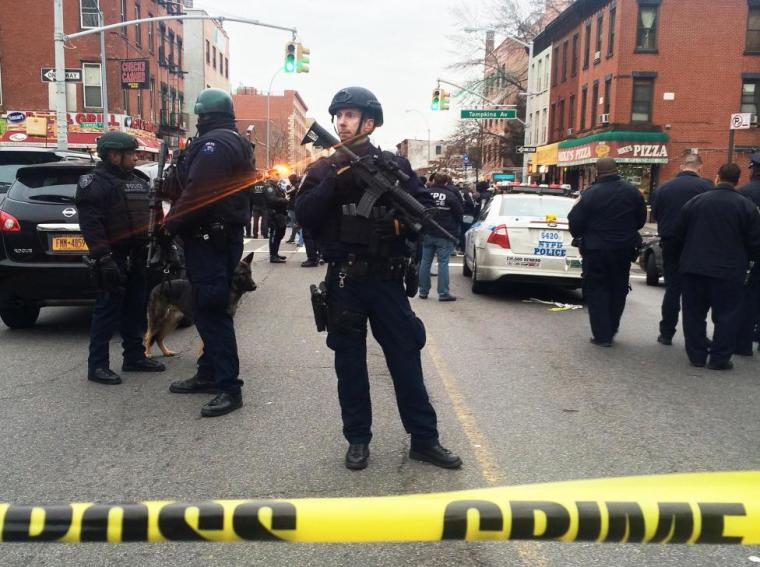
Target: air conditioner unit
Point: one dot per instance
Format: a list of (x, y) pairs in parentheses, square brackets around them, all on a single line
[(753, 120), (570, 131), (597, 56), (604, 119)]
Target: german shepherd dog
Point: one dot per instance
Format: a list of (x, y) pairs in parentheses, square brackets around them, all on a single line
[(170, 302)]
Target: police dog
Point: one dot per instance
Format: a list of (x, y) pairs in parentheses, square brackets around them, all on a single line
[(170, 302)]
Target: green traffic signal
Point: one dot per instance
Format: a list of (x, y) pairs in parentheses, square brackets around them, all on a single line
[(436, 104), (290, 57)]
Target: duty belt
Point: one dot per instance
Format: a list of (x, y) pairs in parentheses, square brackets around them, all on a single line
[(362, 269)]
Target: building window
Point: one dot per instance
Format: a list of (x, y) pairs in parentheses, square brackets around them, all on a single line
[(607, 94), (555, 65), (753, 30), (221, 63), (646, 32), (561, 112), (587, 45), (1, 86), (152, 101), (161, 44), (226, 68), (544, 128), (611, 36), (92, 86), (564, 60), (584, 103), (540, 76), (571, 113), (208, 53), (179, 54), (123, 16), (213, 56), (150, 34), (125, 100), (553, 120), (594, 104), (139, 109), (88, 13), (574, 65), (546, 72), (138, 27), (438, 150), (751, 96), (643, 94), (599, 30), (171, 48)]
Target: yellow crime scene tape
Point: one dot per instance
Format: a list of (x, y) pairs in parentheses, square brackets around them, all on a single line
[(714, 508)]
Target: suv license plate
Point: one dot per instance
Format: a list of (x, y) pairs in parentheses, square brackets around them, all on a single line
[(68, 244)]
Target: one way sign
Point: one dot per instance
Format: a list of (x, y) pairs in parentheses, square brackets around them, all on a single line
[(526, 149), (72, 75)]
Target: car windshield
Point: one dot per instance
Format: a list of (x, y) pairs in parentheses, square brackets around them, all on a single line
[(48, 185), (535, 206), (10, 162)]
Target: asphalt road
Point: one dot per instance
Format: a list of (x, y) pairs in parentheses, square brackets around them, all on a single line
[(520, 394)]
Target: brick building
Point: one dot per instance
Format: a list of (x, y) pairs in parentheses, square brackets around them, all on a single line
[(288, 126), (650, 80), (26, 47)]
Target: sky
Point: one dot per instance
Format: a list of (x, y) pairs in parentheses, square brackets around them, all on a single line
[(395, 48)]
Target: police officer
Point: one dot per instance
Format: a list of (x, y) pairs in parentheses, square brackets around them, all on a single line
[(113, 206), (667, 201), (209, 216), (259, 208), (748, 327), (607, 220), (448, 204), (277, 215), (717, 232), (364, 282)]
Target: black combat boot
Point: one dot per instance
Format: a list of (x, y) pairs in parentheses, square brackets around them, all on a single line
[(104, 376), (436, 455), (194, 385), (143, 365), (357, 456), (221, 404)]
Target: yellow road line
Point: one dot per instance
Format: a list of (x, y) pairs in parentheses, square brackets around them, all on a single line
[(489, 468)]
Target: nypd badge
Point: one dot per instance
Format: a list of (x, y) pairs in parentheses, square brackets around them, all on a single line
[(85, 180), (208, 148)]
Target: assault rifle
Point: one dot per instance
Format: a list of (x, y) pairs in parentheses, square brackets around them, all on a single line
[(154, 202), (382, 176)]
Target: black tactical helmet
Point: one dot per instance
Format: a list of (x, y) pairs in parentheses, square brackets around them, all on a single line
[(754, 160), (214, 100), (115, 141), (358, 97)]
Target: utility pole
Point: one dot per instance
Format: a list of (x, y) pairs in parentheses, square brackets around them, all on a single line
[(103, 72), (59, 38)]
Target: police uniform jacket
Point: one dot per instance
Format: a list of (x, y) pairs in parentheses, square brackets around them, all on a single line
[(277, 203), (113, 209), (327, 186), (608, 215), (217, 168), (449, 208), (668, 199), (752, 190), (718, 232)]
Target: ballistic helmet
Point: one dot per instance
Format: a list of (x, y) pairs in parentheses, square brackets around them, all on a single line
[(119, 141), (214, 100), (754, 160), (358, 97)]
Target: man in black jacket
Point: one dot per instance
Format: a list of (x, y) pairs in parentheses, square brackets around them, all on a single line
[(448, 204), (209, 216), (717, 232), (113, 205), (667, 202), (751, 310), (606, 220)]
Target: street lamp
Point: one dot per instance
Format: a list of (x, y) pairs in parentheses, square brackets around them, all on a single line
[(427, 124), (528, 94)]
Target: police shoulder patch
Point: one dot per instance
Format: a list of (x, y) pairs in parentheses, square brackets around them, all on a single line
[(208, 148), (85, 180)]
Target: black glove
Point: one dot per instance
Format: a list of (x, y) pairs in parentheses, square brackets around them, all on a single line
[(111, 276)]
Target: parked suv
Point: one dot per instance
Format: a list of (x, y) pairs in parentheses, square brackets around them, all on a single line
[(41, 247), (12, 158)]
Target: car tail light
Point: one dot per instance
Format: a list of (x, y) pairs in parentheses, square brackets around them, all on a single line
[(499, 236), (9, 223)]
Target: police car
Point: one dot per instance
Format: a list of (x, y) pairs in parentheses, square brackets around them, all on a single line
[(522, 236)]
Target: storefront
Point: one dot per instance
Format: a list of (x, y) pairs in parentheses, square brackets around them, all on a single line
[(38, 128), (545, 168), (638, 154)]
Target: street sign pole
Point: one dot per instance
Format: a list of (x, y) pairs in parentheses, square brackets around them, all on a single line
[(103, 72), (61, 133), (527, 123), (731, 145)]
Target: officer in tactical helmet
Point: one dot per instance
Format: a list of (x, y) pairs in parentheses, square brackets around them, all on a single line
[(277, 216), (210, 215), (749, 321), (113, 208), (366, 265)]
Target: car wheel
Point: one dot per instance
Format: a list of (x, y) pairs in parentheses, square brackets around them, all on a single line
[(21, 317), (653, 276), (466, 271), (478, 286)]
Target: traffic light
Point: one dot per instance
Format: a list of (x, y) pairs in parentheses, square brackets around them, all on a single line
[(444, 105), (302, 59), (290, 56), (436, 104)]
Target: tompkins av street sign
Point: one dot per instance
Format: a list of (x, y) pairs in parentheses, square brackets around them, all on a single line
[(489, 114)]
